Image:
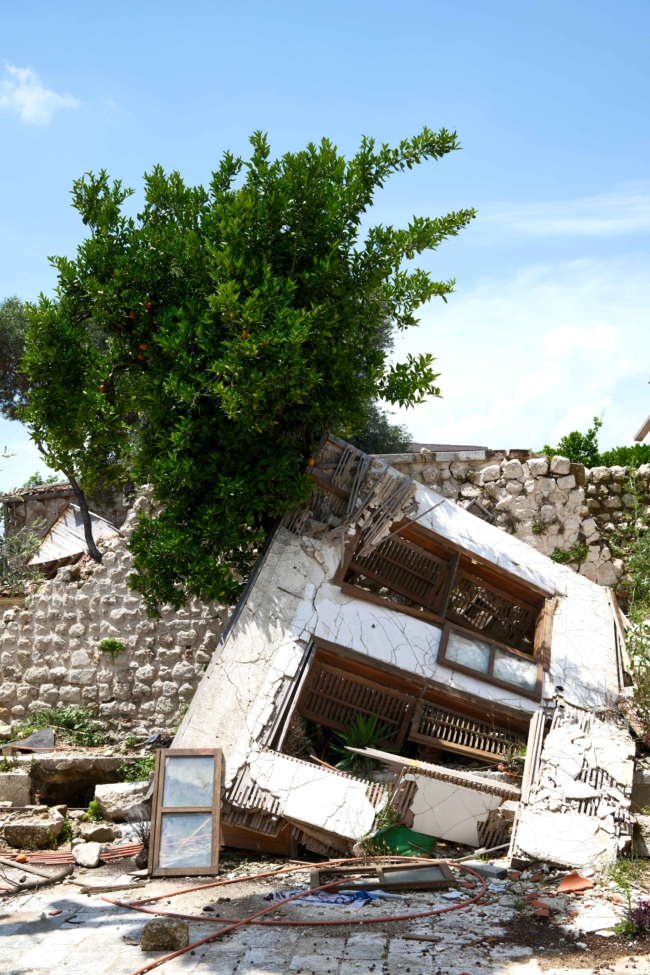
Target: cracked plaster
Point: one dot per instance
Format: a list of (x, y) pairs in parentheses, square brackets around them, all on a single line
[(293, 600)]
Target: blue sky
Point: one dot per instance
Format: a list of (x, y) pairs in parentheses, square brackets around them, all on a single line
[(550, 318)]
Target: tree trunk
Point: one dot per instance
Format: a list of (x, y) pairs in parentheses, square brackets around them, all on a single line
[(93, 551)]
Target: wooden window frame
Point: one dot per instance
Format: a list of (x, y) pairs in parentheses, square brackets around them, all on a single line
[(157, 812), (488, 678)]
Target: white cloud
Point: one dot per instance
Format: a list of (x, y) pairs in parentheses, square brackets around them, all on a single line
[(624, 211), (527, 359), (23, 94)]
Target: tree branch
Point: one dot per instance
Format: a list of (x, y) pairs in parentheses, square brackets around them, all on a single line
[(79, 494)]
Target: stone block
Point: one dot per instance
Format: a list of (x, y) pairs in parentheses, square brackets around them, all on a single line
[(512, 470), (37, 675), (82, 677), (58, 674), (121, 692), (537, 466), (560, 465), (641, 790), (606, 574), (186, 691), (566, 483), (97, 833), (15, 788), (24, 693), (641, 836), (121, 801), (467, 490), (183, 670), (7, 692), (187, 637), (34, 828), (71, 695), (81, 659), (77, 629), (87, 854), (600, 475), (146, 674), (49, 693)]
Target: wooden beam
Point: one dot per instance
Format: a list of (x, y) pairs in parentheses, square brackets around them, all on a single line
[(643, 432)]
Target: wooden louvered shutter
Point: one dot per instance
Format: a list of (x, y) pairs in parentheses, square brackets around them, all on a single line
[(333, 698), (478, 606), (406, 569), (433, 725)]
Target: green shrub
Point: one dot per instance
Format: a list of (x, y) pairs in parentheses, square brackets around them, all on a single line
[(77, 726), (137, 771), (66, 831), (94, 813), (538, 527), (577, 553), (363, 732), (111, 646)]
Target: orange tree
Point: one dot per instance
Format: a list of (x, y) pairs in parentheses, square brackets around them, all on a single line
[(205, 345)]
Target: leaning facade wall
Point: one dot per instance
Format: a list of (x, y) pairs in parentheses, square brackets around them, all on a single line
[(49, 654), (548, 506)]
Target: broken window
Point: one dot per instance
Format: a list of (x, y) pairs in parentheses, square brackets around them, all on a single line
[(504, 628), (187, 790), (501, 665)]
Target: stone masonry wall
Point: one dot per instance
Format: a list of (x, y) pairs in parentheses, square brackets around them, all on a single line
[(49, 654), (548, 506)]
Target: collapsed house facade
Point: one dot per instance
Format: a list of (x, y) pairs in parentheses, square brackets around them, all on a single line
[(385, 599)]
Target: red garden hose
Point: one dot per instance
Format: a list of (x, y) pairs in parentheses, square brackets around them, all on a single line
[(233, 923)]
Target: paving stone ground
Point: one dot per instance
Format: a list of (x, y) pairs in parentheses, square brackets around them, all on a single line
[(87, 937)]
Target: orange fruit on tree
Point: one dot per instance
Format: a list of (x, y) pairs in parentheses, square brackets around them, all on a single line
[(131, 314), (144, 346)]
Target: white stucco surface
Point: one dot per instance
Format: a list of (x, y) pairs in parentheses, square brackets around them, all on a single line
[(450, 811), (293, 600)]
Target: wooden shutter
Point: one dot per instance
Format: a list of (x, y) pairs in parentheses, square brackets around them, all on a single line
[(544, 633), (433, 725), (477, 605), (405, 569), (333, 698)]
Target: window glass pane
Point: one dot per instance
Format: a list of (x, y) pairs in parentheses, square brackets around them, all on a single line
[(185, 840), (468, 651), (515, 670), (188, 780)]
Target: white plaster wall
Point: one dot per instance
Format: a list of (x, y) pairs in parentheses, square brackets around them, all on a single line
[(449, 811)]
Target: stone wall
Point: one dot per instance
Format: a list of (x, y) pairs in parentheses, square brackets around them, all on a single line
[(49, 654), (552, 506)]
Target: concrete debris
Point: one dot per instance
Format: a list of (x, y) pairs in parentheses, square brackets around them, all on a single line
[(98, 833), (33, 827), (123, 801), (87, 854)]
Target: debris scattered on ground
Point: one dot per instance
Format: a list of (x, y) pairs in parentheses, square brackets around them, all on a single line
[(164, 934)]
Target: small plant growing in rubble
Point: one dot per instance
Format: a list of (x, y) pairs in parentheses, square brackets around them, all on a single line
[(6, 765), (363, 732), (577, 553), (538, 527), (78, 726), (94, 812), (66, 833), (111, 646), (137, 771)]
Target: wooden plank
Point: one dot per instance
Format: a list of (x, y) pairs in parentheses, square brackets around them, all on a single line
[(643, 432), (544, 633)]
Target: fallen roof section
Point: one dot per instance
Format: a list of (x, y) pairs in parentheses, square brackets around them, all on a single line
[(65, 539)]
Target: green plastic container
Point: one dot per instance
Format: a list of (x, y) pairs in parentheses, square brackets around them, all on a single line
[(402, 841)]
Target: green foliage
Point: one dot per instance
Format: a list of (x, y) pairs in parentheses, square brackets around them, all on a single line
[(66, 833), (634, 456), (137, 771), (13, 384), (577, 553), (627, 871), (111, 646), (538, 527), (207, 344), (363, 732), (387, 816), (37, 480), (6, 764), (379, 435), (580, 448), (75, 725), (94, 812), (16, 576)]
